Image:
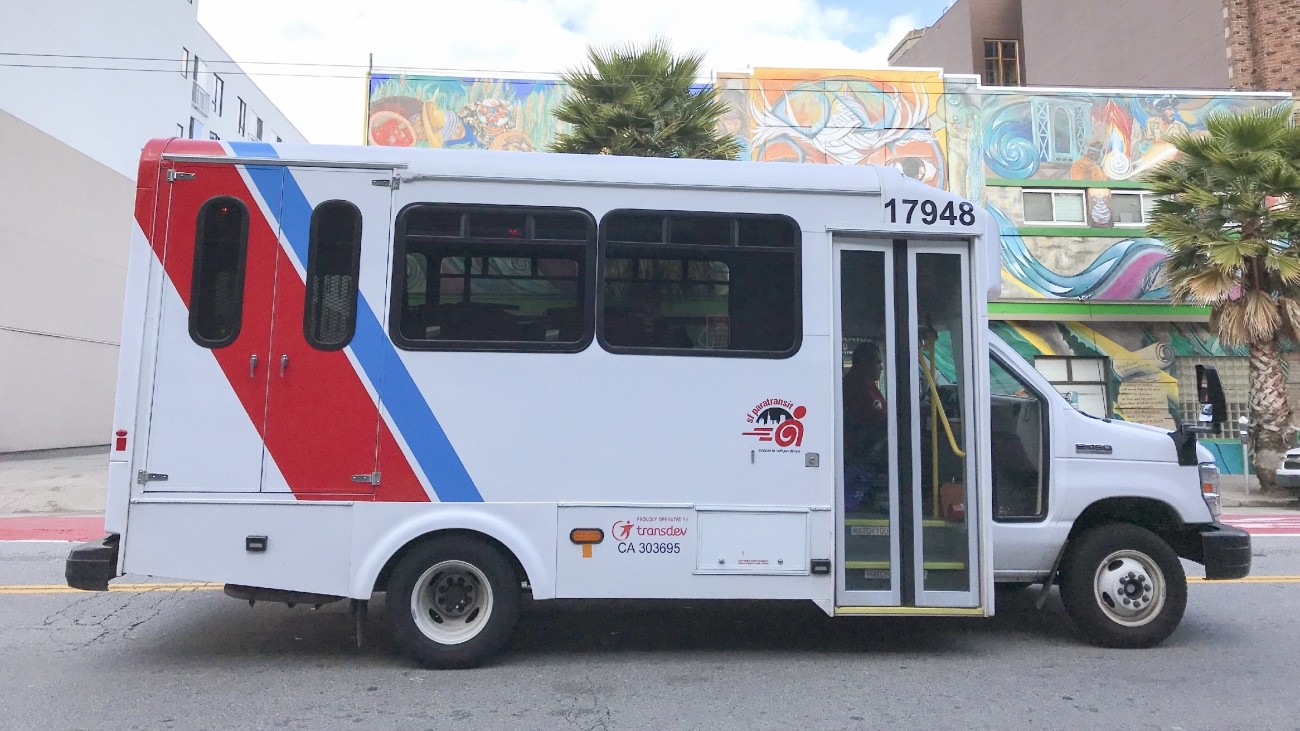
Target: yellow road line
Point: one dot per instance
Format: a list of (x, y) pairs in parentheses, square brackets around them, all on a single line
[(1247, 580), (122, 588)]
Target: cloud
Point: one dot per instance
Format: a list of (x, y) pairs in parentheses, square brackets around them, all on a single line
[(517, 37)]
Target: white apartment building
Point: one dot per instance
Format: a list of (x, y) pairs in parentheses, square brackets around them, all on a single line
[(83, 85)]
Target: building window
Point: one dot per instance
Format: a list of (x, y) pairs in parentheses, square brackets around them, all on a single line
[(1234, 374), (1054, 206), (258, 134), (699, 284), (217, 290), (197, 130), (1002, 63), (1132, 209), (241, 122), (493, 278), (1083, 381), (180, 130), (185, 62), (214, 136), (333, 261), (218, 94), (277, 139)]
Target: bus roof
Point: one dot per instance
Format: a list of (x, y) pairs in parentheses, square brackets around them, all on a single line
[(421, 164)]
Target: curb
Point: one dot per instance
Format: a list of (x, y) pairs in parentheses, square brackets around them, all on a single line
[(51, 528), (1252, 501)]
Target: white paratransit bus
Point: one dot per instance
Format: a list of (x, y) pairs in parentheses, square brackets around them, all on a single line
[(456, 376)]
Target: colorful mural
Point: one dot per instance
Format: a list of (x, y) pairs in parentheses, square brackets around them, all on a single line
[(840, 117), (1090, 136), (453, 112), (1143, 378)]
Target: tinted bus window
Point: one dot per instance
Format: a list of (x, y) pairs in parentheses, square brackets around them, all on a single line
[(493, 278), (217, 289), (700, 284), (333, 261)]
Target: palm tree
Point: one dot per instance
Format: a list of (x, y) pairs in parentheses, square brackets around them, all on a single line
[(1231, 215), (642, 101)]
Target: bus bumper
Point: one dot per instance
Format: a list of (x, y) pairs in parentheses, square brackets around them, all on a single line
[(1226, 551), (91, 565)]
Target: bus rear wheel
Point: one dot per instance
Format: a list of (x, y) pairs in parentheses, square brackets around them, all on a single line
[(1123, 586), (453, 602)]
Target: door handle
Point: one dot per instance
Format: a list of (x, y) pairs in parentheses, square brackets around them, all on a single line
[(284, 363), (252, 365)]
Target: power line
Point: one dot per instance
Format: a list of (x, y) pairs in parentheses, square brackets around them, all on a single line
[(940, 85)]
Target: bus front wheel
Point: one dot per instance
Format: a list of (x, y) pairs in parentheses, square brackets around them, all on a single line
[(453, 602), (1123, 586)]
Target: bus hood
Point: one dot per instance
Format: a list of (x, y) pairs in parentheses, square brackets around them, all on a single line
[(1093, 438)]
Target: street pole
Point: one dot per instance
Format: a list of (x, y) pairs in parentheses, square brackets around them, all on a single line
[(1243, 425)]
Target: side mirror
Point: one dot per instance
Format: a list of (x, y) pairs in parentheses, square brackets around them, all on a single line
[(1209, 393)]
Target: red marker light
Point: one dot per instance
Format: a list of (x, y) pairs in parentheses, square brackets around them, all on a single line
[(514, 233), (119, 444)]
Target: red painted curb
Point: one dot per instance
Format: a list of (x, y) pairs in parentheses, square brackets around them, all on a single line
[(44, 528)]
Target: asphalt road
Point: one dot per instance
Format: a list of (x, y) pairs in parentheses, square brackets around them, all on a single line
[(197, 659)]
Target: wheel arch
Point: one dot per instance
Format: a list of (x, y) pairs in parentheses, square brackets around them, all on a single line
[(1155, 515), (520, 550)]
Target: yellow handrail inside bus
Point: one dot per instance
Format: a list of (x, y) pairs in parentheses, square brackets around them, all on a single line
[(937, 414)]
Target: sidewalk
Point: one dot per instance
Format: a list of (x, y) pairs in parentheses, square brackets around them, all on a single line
[(1240, 491), (70, 482), (54, 482)]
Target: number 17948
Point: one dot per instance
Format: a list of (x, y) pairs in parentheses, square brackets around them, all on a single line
[(952, 214)]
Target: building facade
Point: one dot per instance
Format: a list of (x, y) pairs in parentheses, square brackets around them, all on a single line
[(1082, 293), (1249, 45), (83, 86)]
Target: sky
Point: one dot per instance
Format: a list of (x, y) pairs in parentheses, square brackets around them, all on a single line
[(271, 40)]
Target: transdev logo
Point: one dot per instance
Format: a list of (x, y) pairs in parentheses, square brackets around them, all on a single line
[(623, 530), (778, 421)]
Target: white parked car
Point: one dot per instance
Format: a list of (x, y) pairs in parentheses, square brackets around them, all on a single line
[(1288, 473)]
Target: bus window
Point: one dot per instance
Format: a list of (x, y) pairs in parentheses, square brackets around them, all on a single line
[(220, 246), (700, 284), (493, 278), (1019, 436), (333, 259)]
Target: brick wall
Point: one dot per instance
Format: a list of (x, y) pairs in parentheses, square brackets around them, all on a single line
[(1263, 39)]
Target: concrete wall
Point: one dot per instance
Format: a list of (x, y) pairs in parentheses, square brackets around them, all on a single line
[(1176, 44), (64, 228), (946, 44), (70, 142), (955, 42)]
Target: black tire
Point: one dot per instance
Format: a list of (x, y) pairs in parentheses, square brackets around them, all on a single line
[(445, 626), (1123, 586)]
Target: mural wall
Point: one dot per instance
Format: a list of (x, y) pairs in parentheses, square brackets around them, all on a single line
[(840, 117), (467, 113)]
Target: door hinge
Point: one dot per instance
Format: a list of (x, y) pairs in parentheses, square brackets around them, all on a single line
[(372, 478), (174, 175), (393, 182), (143, 477)]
